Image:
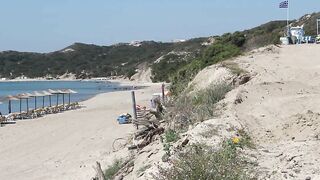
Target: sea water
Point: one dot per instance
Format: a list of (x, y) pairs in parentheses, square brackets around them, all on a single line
[(85, 89)]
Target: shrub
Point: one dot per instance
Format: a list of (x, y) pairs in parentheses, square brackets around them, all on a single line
[(162, 70), (113, 169), (200, 162), (130, 72), (171, 136), (245, 140), (191, 108), (213, 54), (234, 68), (218, 52), (143, 169), (205, 100)]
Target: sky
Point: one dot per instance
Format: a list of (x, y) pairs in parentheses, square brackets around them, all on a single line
[(50, 25)]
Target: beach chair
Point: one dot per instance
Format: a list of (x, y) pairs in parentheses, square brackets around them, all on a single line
[(143, 113), (11, 117), (24, 115), (48, 110), (74, 105)]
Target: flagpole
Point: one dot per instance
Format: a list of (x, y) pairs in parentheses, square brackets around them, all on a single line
[(288, 30)]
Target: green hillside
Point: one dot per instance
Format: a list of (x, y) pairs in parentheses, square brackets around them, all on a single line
[(88, 60), (165, 59)]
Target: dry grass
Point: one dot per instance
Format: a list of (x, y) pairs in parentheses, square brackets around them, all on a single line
[(200, 162), (191, 108), (112, 170), (233, 67)]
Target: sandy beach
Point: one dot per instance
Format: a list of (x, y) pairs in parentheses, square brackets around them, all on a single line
[(67, 145)]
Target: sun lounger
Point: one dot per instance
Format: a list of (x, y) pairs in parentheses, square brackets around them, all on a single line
[(143, 113)]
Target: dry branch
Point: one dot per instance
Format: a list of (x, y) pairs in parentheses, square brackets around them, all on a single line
[(100, 175)]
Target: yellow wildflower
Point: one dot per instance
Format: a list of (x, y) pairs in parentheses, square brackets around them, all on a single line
[(235, 140)]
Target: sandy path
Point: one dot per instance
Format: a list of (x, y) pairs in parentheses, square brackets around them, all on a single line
[(281, 110), (66, 145)]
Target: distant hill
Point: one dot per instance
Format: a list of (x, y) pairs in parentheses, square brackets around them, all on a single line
[(85, 60)]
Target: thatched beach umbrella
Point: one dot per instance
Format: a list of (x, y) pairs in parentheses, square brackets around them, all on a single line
[(63, 93), (47, 93), (27, 99), (11, 98), (35, 95), (56, 93), (21, 97), (69, 91), (39, 94)]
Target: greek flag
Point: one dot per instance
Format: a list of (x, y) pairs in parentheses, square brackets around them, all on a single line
[(284, 4)]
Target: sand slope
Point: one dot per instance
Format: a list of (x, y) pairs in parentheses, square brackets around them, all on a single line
[(66, 145), (281, 110)]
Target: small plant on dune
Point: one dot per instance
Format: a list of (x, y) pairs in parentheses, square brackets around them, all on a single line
[(245, 139), (171, 136), (233, 67), (200, 162), (199, 106), (112, 170), (205, 100), (143, 169)]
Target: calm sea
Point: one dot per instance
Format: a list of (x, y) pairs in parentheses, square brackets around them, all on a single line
[(85, 89)]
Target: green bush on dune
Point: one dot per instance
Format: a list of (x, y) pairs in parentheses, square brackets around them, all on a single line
[(202, 162), (213, 54)]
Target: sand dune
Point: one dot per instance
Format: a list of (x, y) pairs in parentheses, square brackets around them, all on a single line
[(281, 110)]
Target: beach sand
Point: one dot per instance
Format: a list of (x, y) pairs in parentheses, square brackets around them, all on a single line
[(67, 145)]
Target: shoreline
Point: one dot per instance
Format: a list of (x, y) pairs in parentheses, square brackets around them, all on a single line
[(66, 145), (112, 86)]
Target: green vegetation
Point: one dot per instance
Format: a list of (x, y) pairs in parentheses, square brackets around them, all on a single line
[(265, 34), (233, 67), (202, 162), (224, 48), (180, 61), (143, 169), (87, 61), (309, 23), (171, 136), (191, 108), (168, 65), (112, 170), (245, 140)]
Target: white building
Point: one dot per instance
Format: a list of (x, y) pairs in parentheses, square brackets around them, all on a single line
[(298, 33)]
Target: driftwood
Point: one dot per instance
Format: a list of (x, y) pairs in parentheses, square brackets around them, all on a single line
[(127, 167), (119, 143), (144, 122), (100, 175), (148, 138), (150, 126), (142, 133)]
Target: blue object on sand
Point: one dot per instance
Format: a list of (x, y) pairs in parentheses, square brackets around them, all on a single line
[(124, 119)]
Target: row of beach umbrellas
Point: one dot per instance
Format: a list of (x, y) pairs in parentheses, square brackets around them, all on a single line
[(37, 94)]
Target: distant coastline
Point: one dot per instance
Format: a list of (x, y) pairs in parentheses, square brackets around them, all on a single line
[(62, 79)]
